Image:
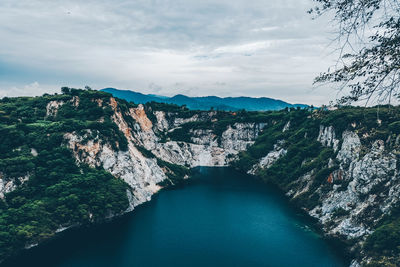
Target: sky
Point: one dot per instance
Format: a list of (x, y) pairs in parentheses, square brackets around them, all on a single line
[(270, 48)]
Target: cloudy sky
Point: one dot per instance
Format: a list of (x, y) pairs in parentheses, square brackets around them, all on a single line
[(196, 47)]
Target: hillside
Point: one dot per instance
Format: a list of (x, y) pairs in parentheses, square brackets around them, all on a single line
[(206, 102), (85, 156)]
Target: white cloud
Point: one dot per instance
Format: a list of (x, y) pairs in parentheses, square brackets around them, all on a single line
[(255, 48), (32, 89), (266, 29), (245, 48)]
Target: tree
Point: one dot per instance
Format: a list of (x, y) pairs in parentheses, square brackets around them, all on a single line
[(65, 90), (372, 71)]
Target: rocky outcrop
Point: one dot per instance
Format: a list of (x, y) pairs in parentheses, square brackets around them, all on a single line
[(269, 159), (192, 155), (375, 169), (52, 107), (140, 116), (327, 137), (240, 136), (205, 149), (143, 174), (162, 123), (10, 184), (350, 149), (6, 186), (140, 173)]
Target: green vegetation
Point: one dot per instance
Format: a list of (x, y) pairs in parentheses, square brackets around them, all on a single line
[(369, 70), (301, 129), (384, 242), (58, 193), (340, 212), (377, 121), (183, 111), (175, 173), (386, 239), (299, 140)]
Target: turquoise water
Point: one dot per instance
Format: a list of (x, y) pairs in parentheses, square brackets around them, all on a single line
[(220, 218)]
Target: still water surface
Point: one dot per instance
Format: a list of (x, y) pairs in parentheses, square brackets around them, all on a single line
[(220, 218)]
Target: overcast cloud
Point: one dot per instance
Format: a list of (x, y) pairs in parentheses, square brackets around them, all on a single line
[(196, 47)]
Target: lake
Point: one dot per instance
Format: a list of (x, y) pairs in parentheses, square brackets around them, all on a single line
[(219, 218)]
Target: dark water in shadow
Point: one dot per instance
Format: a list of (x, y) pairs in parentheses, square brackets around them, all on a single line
[(221, 218)]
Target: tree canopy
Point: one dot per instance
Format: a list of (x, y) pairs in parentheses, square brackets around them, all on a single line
[(370, 30)]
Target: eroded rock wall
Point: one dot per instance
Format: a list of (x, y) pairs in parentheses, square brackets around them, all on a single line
[(143, 173)]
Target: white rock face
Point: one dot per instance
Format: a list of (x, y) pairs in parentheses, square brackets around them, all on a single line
[(240, 136), (5, 187), (179, 121), (162, 123), (34, 152), (52, 107), (354, 263), (350, 148), (327, 137), (287, 127), (204, 137), (142, 174), (376, 168), (8, 185), (269, 159), (205, 149), (191, 155)]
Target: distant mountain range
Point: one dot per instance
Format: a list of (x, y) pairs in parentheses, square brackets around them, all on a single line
[(206, 102)]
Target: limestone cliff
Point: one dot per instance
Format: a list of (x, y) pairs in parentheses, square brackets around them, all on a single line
[(144, 174)]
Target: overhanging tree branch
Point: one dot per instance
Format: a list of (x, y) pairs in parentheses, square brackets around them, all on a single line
[(372, 71)]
